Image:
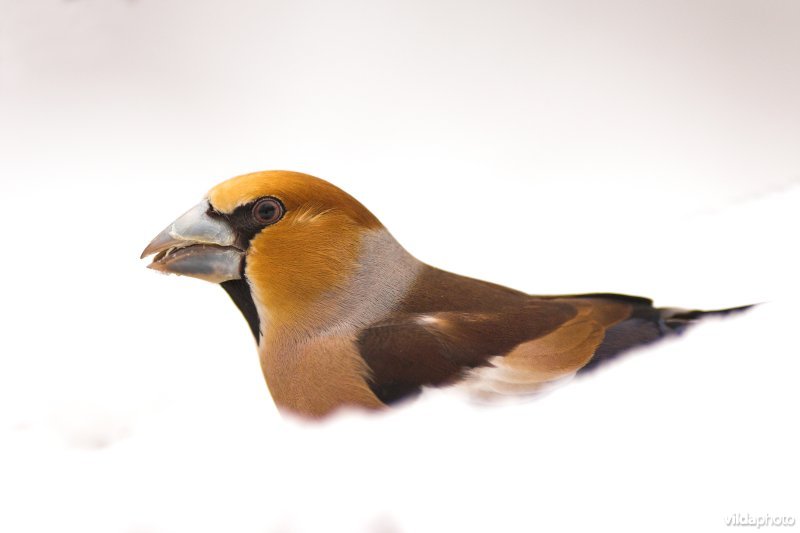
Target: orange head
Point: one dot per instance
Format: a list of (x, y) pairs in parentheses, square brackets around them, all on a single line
[(289, 236)]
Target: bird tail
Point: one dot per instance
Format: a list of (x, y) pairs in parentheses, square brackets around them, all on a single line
[(647, 324), (679, 319)]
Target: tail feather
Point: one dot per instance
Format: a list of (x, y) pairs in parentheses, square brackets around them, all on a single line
[(648, 324), (679, 319)]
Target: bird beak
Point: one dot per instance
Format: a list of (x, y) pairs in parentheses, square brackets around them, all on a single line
[(199, 246)]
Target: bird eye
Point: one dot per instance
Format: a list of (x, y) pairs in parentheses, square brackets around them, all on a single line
[(267, 211)]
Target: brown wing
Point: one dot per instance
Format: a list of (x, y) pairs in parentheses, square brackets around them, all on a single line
[(449, 324)]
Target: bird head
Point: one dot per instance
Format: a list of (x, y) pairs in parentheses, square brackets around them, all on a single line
[(281, 239)]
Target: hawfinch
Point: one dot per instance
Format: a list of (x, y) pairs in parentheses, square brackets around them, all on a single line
[(343, 315)]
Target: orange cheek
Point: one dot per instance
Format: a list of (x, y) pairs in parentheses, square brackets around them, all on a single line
[(292, 264)]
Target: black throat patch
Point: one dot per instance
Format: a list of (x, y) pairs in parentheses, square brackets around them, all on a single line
[(239, 291)]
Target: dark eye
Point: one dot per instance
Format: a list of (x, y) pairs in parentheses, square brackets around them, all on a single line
[(267, 211)]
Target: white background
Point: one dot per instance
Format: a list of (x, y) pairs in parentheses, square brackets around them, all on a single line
[(648, 148)]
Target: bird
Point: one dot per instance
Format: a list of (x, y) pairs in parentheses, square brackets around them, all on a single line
[(345, 318)]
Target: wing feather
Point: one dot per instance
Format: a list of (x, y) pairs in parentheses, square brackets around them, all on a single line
[(449, 325)]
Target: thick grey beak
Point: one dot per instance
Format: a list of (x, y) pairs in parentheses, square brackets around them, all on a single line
[(199, 246)]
